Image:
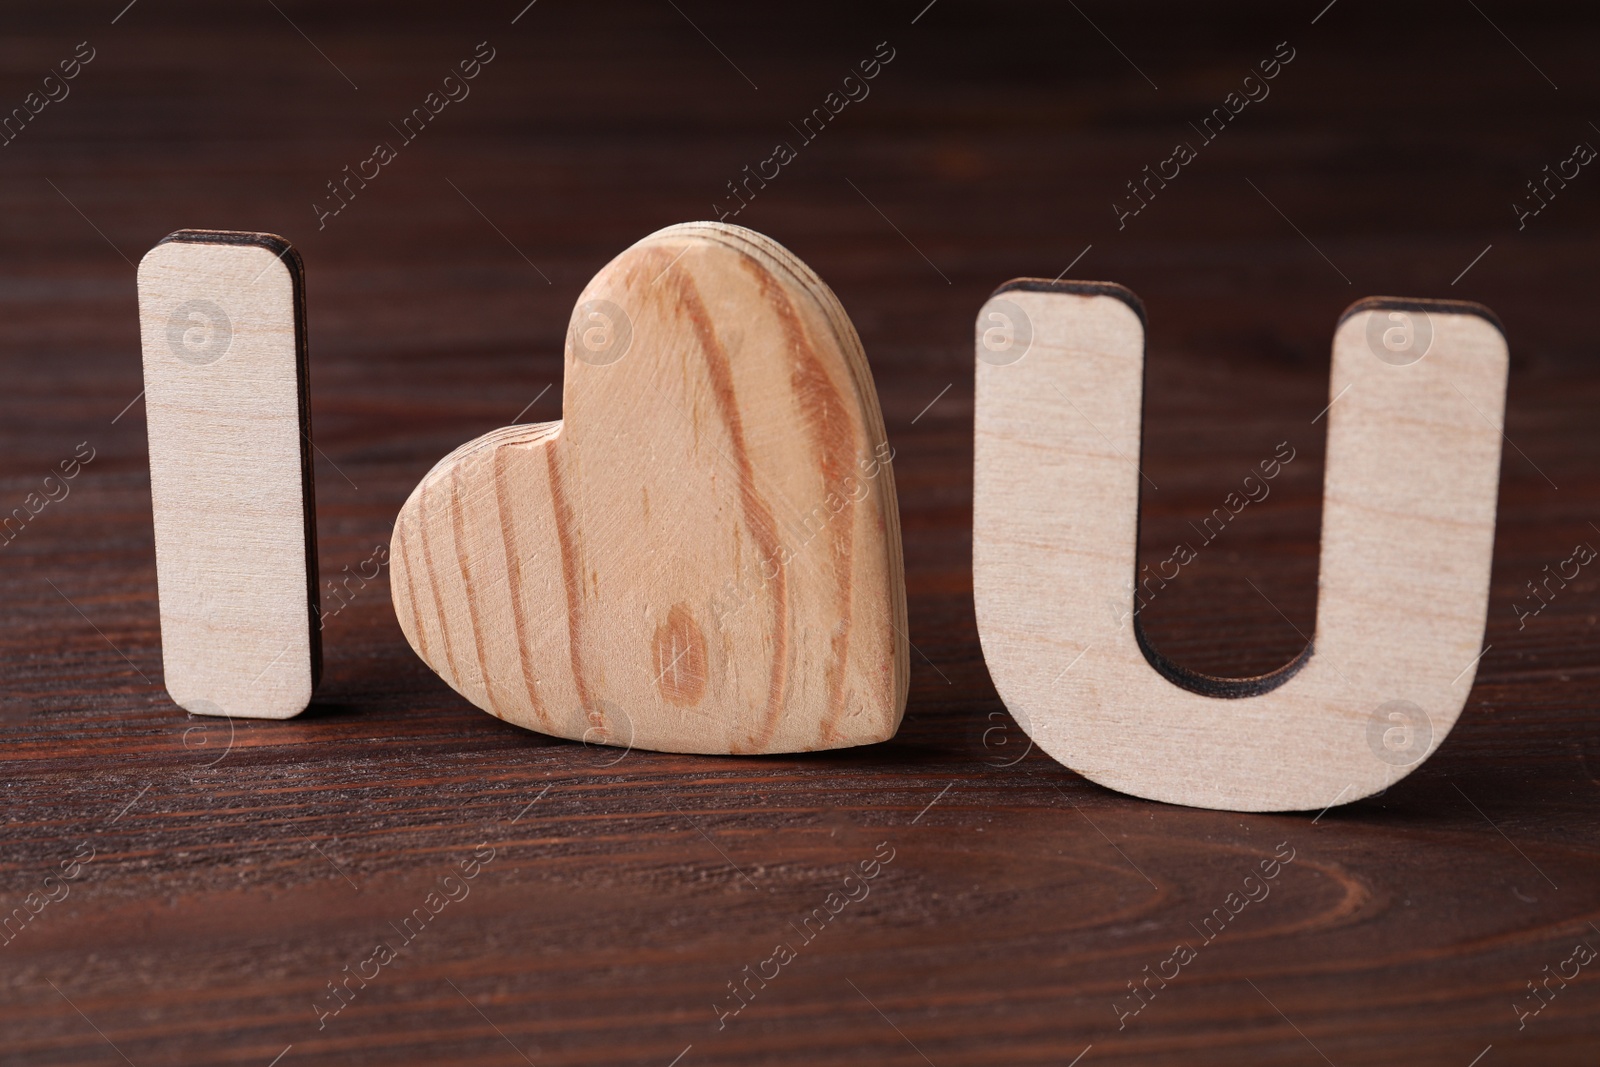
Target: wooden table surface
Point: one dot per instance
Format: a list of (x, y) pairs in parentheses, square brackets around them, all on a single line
[(238, 870)]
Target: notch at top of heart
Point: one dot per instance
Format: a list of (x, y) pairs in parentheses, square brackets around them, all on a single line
[(704, 554)]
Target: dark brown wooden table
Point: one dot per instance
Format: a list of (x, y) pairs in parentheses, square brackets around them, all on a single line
[(238, 870)]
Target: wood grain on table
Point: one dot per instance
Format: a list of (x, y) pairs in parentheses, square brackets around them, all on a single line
[(478, 893)]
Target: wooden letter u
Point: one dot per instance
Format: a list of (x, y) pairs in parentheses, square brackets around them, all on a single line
[(1417, 399)]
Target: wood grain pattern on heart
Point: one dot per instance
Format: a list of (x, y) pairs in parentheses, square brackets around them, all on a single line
[(704, 554)]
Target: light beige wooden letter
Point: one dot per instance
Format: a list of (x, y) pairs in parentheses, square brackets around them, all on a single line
[(1413, 462), (221, 323)]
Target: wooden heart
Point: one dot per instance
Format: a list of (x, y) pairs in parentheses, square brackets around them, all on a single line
[(704, 554)]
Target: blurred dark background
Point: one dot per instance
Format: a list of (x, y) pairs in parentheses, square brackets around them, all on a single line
[(253, 863)]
